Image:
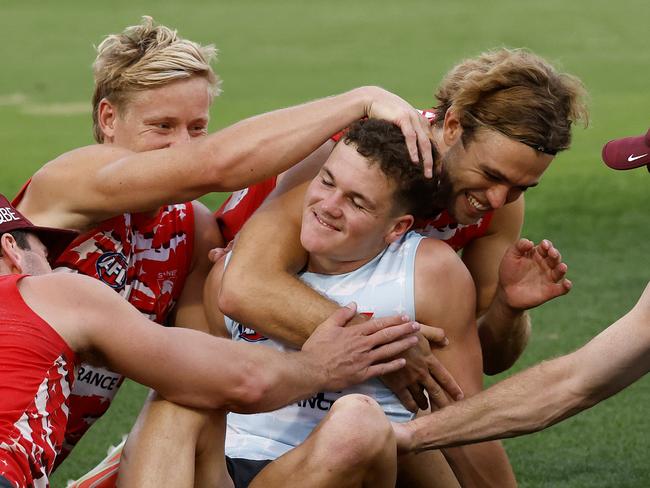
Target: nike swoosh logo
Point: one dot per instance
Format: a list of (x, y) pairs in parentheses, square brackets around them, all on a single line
[(632, 157)]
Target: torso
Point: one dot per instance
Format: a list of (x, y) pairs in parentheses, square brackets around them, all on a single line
[(382, 287), (144, 258), (36, 374)]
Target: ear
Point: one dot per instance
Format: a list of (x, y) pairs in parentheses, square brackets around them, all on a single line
[(106, 117), (12, 255), (452, 129), (401, 226)]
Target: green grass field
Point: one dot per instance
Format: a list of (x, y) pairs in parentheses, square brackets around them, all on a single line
[(278, 53)]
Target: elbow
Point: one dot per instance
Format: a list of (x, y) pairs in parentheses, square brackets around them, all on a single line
[(493, 366), (232, 298), (496, 359), (238, 284), (500, 353)]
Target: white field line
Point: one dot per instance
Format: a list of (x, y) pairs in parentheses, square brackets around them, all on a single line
[(25, 106)]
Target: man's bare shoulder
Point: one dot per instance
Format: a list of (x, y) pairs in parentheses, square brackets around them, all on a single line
[(71, 304), (66, 288), (80, 159), (50, 199), (436, 259), (444, 289)]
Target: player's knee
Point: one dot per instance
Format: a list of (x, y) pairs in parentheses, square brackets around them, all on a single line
[(360, 430)]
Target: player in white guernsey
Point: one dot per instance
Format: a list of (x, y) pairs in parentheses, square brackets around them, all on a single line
[(381, 287), (356, 218)]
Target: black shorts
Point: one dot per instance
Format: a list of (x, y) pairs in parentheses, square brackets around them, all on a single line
[(4, 482), (242, 471)]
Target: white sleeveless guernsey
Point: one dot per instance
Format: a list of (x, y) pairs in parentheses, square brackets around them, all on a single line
[(382, 287)]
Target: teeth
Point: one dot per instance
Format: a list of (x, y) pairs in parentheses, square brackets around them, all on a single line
[(476, 204), (325, 224)]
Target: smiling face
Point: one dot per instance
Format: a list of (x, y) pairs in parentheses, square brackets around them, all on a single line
[(488, 172), (157, 118), (349, 215)]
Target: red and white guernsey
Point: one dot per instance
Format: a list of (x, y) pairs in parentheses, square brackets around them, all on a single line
[(143, 257), (239, 206), (36, 374)]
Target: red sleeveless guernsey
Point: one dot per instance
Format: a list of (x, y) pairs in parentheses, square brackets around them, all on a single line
[(36, 374)]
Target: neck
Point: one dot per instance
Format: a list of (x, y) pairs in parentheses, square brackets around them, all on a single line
[(331, 266)]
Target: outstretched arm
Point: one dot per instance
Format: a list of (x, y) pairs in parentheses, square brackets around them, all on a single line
[(544, 394), (196, 369), (110, 180)]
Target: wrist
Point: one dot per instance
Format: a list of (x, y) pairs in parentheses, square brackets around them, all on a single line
[(366, 95), (412, 437), (502, 305), (310, 367)]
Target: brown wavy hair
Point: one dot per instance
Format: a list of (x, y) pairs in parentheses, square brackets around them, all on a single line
[(383, 143), (516, 93)]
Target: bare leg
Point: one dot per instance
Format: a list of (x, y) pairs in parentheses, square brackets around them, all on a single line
[(425, 470), (175, 446), (353, 446)]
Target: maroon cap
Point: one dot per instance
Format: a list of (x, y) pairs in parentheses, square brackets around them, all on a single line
[(55, 240), (628, 153)]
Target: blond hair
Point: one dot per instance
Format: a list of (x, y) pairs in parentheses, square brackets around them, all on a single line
[(516, 93), (146, 56)]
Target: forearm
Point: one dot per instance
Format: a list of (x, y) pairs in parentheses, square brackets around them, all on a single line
[(287, 309), (280, 379), (270, 143), (547, 393), (524, 403), (504, 334), (193, 369)]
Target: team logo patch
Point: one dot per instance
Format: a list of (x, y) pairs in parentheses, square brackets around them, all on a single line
[(111, 269), (249, 335)]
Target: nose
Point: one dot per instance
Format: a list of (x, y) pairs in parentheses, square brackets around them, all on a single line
[(180, 136), (332, 205), (497, 195)]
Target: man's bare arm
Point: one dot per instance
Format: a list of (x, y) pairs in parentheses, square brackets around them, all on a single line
[(511, 275), (195, 369), (190, 310), (544, 394), (110, 180), (444, 294)]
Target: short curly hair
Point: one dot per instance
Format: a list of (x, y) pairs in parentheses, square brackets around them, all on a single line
[(383, 143), (516, 93), (146, 56)]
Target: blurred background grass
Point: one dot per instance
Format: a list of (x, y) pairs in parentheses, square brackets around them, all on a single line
[(273, 54)]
